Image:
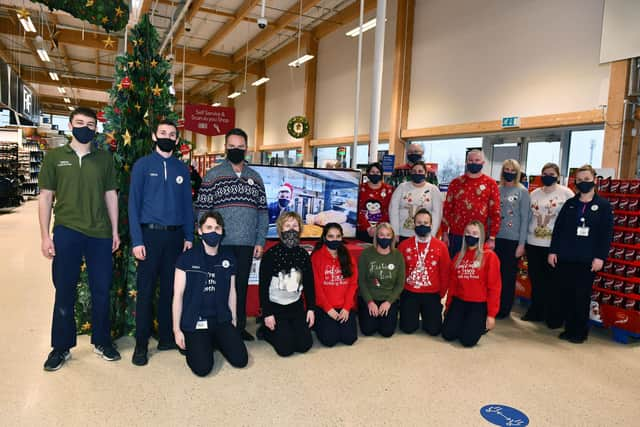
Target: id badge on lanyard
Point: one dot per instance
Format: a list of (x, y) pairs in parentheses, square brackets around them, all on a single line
[(202, 324), (582, 230)]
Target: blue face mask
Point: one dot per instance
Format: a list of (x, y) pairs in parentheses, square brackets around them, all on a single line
[(414, 157), (384, 243), (548, 180), (422, 230), (509, 176), (417, 178), (471, 241), (333, 244), (211, 239), (585, 186), (283, 203), (474, 167), (374, 178), (84, 135)]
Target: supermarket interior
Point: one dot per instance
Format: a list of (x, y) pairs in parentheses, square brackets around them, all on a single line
[(485, 154)]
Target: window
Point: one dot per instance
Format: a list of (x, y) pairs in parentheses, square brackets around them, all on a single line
[(449, 154), (586, 148), (281, 158), (327, 156), (540, 153)]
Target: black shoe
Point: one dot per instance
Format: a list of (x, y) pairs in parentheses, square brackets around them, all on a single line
[(574, 340), (530, 317), (164, 346), (246, 336), (107, 352), (56, 359), (564, 336), (182, 352), (140, 357), (260, 333)]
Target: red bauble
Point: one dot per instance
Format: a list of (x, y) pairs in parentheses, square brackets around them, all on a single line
[(116, 110), (142, 78), (126, 82), (101, 116), (184, 149)]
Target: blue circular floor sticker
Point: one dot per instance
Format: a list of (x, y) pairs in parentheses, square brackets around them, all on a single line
[(502, 415)]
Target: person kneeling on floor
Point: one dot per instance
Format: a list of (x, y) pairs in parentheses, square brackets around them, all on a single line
[(285, 276), (474, 291), (204, 300)]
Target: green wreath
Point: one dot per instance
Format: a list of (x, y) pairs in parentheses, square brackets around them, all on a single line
[(298, 127), (112, 15)]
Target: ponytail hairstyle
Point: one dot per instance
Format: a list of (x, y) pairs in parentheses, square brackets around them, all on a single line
[(344, 258), (480, 250)]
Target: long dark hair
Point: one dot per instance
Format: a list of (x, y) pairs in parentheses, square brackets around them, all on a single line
[(343, 254)]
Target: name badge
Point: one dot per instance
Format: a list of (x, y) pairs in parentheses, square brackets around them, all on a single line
[(583, 232), (202, 324)]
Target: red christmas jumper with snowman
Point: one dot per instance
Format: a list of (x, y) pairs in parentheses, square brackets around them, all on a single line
[(426, 273), (471, 282), (373, 205), (333, 290)]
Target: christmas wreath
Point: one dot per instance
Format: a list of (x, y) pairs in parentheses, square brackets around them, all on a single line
[(112, 15), (298, 126)]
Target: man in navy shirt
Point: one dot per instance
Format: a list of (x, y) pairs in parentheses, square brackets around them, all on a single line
[(161, 225)]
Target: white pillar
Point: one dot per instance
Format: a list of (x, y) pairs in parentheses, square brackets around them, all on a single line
[(376, 92), (354, 148)]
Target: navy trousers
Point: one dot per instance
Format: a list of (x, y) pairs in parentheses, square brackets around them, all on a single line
[(71, 246), (455, 244)]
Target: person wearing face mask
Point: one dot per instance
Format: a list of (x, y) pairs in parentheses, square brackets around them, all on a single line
[(244, 210), (286, 276), (336, 283), (82, 179), (373, 202), (161, 225), (380, 281), (414, 155), (472, 196), (204, 301), (409, 197), (514, 214), (579, 246), (546, 203), (426, 278), (283, 204), (473, 299)]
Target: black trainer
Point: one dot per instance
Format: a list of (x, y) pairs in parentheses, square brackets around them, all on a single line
[(56, 359), (107, 352), (140, 357), (164, 346), (246, 336), (564, 336)]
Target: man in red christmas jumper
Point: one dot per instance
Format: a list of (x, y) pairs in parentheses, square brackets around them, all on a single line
[(472, 196)]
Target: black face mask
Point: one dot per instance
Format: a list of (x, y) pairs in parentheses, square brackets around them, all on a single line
[(236, 155), (509, 176), (471, 241), (548, 180), (585, 186), (414, 157), (418, 178), (211, 239), (83, 135), (333, 244), (283, 203), (291, 238), (422, 230), (374, 179), (166, 144)]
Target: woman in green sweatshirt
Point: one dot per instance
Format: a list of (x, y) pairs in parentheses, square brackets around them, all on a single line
[(380, 280)]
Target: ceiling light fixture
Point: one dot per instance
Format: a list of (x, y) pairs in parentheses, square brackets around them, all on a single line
[(62, 90), (67, 100), (365, 27), (216, 104), (70, 108), (234, 95), (40, 48), (54, 75), (25, 20), (260, 81), (298, 62)]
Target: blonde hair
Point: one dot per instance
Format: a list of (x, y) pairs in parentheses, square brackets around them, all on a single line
[(379, 227), (284, 217), (479, 251), (513, 164), (587, 168)]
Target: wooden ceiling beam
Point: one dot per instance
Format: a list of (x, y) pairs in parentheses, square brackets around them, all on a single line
[(43, 78), (342, 18), (193, 9), (229, 26)]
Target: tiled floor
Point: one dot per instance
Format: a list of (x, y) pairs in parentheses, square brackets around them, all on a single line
[(405, 380)]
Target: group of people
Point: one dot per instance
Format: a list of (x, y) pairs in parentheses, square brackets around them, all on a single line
[(462, 250)]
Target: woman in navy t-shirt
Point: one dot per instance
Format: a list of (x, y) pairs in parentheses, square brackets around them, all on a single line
[(204, 300)]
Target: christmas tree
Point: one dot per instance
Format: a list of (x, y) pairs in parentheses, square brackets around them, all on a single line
[(140, 98)]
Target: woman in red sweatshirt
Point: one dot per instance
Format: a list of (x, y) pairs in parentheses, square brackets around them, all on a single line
[(474, 291), (427, 266), (336, 283)]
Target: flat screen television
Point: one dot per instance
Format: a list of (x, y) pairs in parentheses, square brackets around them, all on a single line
[(320, 196)]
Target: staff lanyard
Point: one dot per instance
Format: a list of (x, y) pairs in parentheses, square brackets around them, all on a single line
[(422, 257)]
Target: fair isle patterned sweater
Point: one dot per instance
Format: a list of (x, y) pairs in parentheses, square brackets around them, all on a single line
[(242, 202)]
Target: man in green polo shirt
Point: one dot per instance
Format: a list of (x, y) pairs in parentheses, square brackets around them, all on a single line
[(82, 179)]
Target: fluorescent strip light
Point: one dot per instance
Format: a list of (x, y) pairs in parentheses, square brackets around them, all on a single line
[(298, 62), (43, 55), (27, 24), (216, 104), (54, 76), (365, 27), (67, 100), (62, 90), (70, 108), (260, 81), (234, 95)]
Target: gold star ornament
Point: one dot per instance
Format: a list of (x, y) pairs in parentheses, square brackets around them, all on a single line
[(138, 107), (127, 138), (157, 90), (105, 19), (23, 13), (154, 63), (108, 42), (119, 12), (89, 3)]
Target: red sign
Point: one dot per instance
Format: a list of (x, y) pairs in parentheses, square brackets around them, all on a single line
[(209, 120)]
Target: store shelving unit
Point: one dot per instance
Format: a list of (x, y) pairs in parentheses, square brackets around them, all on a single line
[(36, 155), (10, 191)]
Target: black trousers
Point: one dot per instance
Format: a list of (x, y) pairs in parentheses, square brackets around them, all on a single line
[(244, 259), (574, 282), (364, 236), (541, 277), (384, 325), (455, 244), (163, 248), (506, 251), (465, 321), (200, 344), (414, 305), (291, 335), (330, 332)]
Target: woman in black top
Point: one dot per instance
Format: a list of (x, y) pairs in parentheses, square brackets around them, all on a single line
[(285, 277), (579, 247), (204, 300)]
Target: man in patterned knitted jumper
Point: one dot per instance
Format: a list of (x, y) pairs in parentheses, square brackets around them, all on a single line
[(237, 192)]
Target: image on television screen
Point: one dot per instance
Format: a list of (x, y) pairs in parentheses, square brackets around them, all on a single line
[(319, 196)]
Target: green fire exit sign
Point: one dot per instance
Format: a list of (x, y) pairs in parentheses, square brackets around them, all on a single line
[(511, 122)]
